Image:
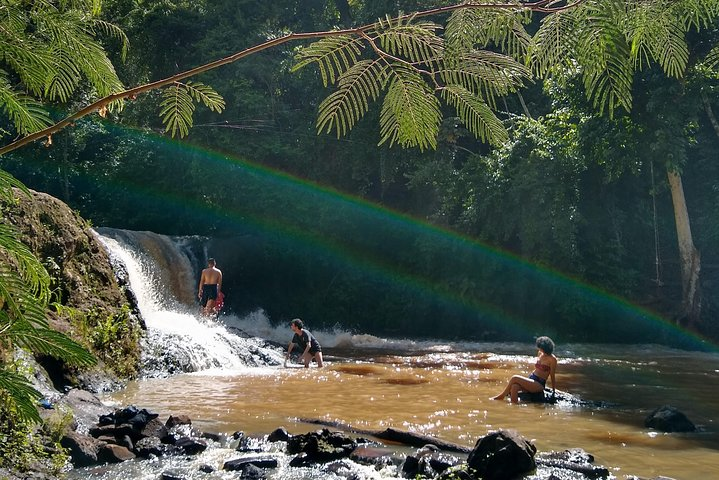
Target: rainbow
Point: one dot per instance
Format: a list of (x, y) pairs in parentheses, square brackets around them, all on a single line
[(358, 215)]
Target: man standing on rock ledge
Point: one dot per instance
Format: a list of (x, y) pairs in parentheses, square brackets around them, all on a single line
[(210, 287)]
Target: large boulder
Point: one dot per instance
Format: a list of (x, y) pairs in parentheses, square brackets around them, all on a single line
[(84, 281), (669, 419), (501, 455)]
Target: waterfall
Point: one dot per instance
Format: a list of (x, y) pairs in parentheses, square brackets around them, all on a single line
[(162, 272)]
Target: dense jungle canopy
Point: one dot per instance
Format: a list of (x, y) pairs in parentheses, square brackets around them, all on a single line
[(544, 200)]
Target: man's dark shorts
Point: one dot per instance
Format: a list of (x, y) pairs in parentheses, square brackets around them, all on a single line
[(209, 292)]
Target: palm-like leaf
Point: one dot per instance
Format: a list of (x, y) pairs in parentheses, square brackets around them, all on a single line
[(333, 55), (487, 74), (22, 394), (554, 42), (605, 57), (176, 110), (475, 114), (655, 34), (410, 112), (482, 27), (23, 111), (417, 43), (345, 106), (178, 105), (52, 47)]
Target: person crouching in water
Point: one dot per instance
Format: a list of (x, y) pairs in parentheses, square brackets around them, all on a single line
[(544, 369), (309, 345)]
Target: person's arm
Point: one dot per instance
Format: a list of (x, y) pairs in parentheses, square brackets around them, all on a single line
[(308, 341), (289, 349), (219, 283), (202, 284), (552, 370)]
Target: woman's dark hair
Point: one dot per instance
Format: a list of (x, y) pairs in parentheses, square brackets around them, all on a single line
[(545, 344), (297, 323)]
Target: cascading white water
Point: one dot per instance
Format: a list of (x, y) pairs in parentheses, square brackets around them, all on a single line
[(178, 339)]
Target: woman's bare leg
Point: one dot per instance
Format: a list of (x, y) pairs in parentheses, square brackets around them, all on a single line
[(522, 383)]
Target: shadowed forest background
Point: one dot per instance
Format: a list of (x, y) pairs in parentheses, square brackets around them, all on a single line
[(545, 234)]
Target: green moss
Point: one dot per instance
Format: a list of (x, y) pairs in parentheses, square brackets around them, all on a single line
[(112, 337), (25, 449)]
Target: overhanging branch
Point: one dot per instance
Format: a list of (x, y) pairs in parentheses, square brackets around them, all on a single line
[(542, 6)]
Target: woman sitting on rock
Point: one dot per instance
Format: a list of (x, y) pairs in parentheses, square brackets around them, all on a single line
[(545, 368)]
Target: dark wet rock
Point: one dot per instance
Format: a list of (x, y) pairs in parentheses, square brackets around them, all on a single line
[(152, 446), (154, 428), (114, 431), (176, 420), (320, 447), (215, 437), (393, 435), (191, 446), (429, 462), (562, 398), (206, 468), (501, 455), (374, 455), (461, 472), (278, 435), (251, 472), (573, 460), (243, 463), (111, 453), (82, 448), (669, 419), (249, 444)]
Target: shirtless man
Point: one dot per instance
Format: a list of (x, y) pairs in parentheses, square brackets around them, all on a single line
[(210, 287)]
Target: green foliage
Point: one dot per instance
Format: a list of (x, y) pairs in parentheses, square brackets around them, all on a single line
[(610, 40), (112, 337), (413, 70), (47, 50), (23, 450), (178, 105)]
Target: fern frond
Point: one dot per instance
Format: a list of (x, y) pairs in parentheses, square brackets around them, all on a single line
[(7, 183), (483, 27), (417, 43), (605, 57), (554, 41), (333, 55), (50, 342), (476, 115), (487, 74), (410, 113), (20, 271), (25, 113), (113, 31), (22, 394), (712, 58), (696, 14), (655, 33), (356, 87), (65, 77), (207, 95), (176, 109), (30, 60)]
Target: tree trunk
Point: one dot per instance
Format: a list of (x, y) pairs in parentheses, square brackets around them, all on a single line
[(688, 254)]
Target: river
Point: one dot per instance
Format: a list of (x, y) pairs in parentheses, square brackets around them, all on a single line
[(435, 388)]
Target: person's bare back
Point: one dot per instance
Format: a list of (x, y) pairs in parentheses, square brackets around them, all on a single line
[(210, 287)]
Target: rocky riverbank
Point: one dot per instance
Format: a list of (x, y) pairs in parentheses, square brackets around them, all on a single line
[(133, 433)]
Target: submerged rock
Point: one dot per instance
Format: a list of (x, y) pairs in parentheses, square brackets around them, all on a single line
[(669, 419)]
